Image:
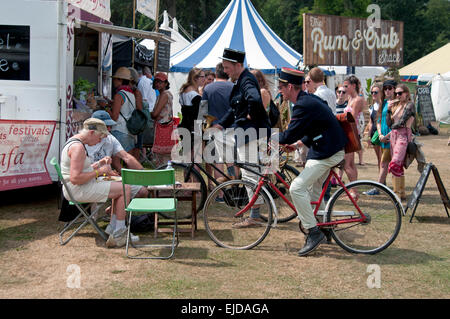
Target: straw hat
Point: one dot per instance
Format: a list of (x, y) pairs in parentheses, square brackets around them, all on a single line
[(123, 73)]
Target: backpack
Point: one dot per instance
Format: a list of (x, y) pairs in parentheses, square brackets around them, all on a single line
[(138, 121), (142, 223)]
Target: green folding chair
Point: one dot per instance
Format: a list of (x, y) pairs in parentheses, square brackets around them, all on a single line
[(84, 211), (151, 205)]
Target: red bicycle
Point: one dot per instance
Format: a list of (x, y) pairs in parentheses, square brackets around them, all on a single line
[(366, 224)]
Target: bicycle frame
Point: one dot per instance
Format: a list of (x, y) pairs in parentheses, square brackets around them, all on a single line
[(263, 180)]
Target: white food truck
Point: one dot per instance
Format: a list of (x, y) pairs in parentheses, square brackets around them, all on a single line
[(45, 47)]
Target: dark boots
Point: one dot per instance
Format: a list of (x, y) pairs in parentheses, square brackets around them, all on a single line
[(313, 240)]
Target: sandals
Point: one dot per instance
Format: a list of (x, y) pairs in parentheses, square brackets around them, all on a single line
[(249, 222)]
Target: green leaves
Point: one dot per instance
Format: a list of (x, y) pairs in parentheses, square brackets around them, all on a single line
[(426, 21)]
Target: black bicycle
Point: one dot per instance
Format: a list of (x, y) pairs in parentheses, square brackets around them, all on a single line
[(192, 173)]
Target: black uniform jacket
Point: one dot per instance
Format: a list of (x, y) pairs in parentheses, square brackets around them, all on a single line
[(245, 99), (314, 123)]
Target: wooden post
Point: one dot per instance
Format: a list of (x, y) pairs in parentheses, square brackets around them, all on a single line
[(132, 40), (155, 52)]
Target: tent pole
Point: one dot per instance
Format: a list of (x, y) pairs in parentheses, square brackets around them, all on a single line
[(155, 52), (132, 40)]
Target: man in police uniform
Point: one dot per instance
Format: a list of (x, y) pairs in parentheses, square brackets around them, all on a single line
[(314, 125), (247, 112)]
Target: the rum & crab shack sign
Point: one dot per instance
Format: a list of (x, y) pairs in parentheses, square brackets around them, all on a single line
[(334, 40)]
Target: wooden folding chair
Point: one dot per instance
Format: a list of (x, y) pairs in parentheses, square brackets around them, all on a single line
[(84, 211), (164, 177)]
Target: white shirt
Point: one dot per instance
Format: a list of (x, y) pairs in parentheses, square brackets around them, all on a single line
[(145, 85), (108, 146), (328, 96), (126, 110)]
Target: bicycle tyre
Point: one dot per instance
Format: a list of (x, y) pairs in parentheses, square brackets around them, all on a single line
[(285, 213), (382, 227), (184, 175), (219, 217)]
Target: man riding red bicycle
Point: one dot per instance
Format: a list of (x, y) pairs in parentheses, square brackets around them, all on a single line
[(314, 125)]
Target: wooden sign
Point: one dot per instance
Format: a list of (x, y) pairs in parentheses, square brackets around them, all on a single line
[(424, 104), (334, 40), (441, 188), (413, 200)]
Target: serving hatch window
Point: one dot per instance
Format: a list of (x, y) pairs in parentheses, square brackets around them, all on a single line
[(14, 52)]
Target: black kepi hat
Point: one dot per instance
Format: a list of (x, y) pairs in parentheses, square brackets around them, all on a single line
[(233, 55), (293, 76), (390, 83)]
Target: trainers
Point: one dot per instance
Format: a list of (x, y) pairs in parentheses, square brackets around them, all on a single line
[(109, 231), (313, 240), (249, 222), (118, 238), (372, 192), (220, 200)]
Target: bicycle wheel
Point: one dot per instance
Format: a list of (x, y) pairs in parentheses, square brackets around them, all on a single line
[(185, 174), (220, 220), (383, 212)]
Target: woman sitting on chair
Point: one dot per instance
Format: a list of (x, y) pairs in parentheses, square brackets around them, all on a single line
[(82, 176)]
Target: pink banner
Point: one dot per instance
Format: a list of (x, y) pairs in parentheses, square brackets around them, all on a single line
[(24, 147)]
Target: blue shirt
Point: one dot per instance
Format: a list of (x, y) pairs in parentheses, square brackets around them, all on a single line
[(384, 127), (218, 96)]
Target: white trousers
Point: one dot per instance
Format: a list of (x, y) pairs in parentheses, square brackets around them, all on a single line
[(308, 185)]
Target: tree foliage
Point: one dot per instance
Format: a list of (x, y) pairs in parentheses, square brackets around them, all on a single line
[(427, 22)]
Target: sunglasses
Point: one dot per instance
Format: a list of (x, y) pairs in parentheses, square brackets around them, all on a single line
[(341, 92), (374, 92), (388, 88), (307, 81), (399, 93)]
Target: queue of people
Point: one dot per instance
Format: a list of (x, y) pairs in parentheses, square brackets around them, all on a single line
[(239, 98)]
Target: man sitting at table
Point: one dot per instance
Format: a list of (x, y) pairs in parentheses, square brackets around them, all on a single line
[(110, 146)]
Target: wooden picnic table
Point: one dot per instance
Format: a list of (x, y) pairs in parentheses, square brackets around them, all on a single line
[(183, 192)]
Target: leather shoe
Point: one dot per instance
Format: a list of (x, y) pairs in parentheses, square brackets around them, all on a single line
[(313, 240)]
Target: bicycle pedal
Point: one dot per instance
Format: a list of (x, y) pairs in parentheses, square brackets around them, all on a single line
[(327, 233)]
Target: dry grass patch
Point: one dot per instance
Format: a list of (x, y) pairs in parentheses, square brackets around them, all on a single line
[(34, 265)]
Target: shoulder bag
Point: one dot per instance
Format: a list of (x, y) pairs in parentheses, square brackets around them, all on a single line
[(163, 142), (348, 124), (137, 123)]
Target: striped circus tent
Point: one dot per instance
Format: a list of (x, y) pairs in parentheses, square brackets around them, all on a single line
[(239, 27)]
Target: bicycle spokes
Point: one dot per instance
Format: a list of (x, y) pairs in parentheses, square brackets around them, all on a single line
[(368, 223)]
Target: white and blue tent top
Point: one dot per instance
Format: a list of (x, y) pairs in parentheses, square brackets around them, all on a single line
[(239, 27)]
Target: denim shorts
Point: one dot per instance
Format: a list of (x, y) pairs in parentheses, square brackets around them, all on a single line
[(127, 141)]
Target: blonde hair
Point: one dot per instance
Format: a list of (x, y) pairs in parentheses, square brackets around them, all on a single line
[(379, 86), (193, 75), (261, 79)]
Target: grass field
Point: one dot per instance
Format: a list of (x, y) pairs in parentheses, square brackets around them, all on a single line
[(417, 265)]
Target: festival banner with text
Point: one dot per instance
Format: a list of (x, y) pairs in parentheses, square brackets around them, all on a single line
[(100, 8), (24, 147), (341, 41)]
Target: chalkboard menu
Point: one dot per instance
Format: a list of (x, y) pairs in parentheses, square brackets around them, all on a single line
[(14, 52), (424, 104), (413, 201), (163, 62), (420, 186)]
